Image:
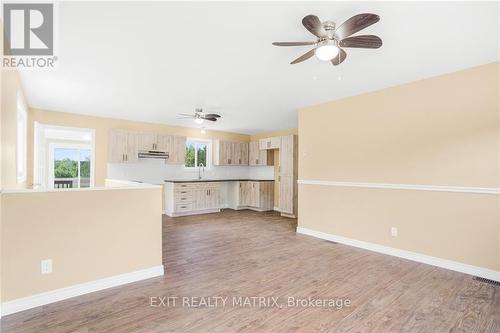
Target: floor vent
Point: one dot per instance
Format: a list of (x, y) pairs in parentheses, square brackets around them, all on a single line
[(488, 281)]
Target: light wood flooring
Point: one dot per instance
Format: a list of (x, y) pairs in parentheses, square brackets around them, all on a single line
[(245, 253)]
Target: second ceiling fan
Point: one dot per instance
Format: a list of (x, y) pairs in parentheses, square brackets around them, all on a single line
[(331, 41)]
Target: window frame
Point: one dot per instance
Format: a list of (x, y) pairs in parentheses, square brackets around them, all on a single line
[(21, 139), (208, 142)]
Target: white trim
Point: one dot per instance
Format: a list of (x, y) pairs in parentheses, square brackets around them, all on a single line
[(57, 295), (438, 188), (429, 260), (277, 209)]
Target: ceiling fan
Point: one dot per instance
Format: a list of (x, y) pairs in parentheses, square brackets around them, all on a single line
[(331, 41), (199, 116)]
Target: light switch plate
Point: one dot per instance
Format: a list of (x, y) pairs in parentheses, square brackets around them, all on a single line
[(46, 266), (394, 232)]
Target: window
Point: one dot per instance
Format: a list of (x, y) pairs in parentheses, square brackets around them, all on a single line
[(71, 165), (21, 138), (197, 152)]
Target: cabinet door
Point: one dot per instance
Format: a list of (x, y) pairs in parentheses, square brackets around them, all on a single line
[(178, 152), (146, 141), (265, 144), (200, 198), (214, 198), (243, 195), (229, 148), (244, 153), (253, 153), (275, 142), (164, 142), (236, 153), (117, 146), (286, 194), (132, 151), (286, 155), (255, 190)]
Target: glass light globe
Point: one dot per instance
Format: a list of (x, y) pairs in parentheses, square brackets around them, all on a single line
[(198, 120), (326, 52)]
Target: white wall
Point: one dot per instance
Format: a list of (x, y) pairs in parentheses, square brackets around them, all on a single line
[(156, 171)]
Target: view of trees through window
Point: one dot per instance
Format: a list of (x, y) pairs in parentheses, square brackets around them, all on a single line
[(71, 167), (196, 153)]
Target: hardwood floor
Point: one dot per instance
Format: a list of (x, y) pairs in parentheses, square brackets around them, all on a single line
[(245, 254)]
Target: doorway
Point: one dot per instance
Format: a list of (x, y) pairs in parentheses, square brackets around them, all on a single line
[(64, 157)]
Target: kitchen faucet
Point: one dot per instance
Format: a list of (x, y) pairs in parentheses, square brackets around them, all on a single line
[(199, 170)]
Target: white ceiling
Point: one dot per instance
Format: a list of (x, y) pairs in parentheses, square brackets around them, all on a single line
[(149, 61)]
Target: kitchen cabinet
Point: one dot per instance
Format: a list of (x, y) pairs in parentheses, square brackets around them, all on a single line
[(124, 146), (288, 155), (146, 141), (177, 152), (230, 153), (257, 156), (270, 143), (193, 198), (257, 195)]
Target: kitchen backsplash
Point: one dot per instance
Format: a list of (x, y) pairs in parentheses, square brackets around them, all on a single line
[(155, 171)]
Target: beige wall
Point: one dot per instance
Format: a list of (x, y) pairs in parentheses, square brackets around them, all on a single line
[(102, 127), (89, 234), (439, 131), (259, 136)]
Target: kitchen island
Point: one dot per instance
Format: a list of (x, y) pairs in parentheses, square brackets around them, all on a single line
[(202, 196)]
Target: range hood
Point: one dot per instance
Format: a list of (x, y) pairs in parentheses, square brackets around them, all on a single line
[(153, 154)]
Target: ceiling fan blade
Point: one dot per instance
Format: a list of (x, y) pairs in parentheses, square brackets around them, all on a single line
[(355, 24), (185, 114), (362, 41), (211, 119), (313, 24), (212, 115), (293, 43), (303, 57), (339, 58)]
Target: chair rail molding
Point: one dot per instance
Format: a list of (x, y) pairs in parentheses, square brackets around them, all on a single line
[(415, 187)]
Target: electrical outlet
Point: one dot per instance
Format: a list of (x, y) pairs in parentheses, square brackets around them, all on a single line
[(394, 232), (46, 266)]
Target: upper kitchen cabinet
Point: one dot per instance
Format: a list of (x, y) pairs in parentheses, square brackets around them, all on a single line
[(147, 141), (270, 143), (230, 153), (125, 145), (177, 150), (257, 156), (122, 146)]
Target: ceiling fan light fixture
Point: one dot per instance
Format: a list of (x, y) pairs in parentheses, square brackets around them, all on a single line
[(199, 121), (326, 50)]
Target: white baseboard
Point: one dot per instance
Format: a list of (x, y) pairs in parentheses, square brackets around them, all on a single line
[(52, 296), (434, 261), (277, 209)]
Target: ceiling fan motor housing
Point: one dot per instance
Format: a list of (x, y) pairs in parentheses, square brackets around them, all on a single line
[(329, 27)]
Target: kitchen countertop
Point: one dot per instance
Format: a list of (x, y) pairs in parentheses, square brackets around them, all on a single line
[(215, 180)]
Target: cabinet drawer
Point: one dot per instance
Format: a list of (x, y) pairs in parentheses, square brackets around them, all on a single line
[(184, 186), (183, 199), (183, 192), (184, 207)]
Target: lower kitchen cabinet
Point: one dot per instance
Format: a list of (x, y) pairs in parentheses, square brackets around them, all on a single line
[(193, 198), (256, 195)]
